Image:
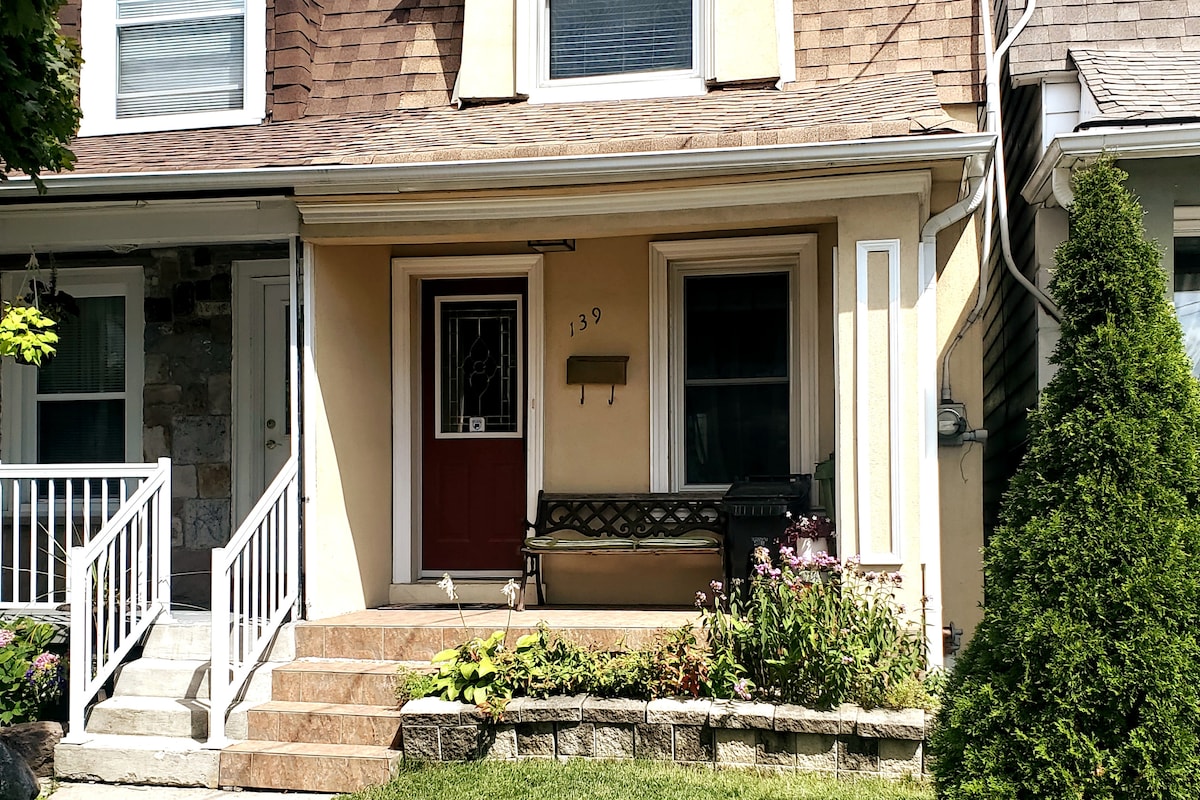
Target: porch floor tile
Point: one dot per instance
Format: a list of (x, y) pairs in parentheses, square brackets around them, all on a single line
[(493, 618)]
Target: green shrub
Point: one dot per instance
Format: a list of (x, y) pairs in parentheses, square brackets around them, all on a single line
[(809, 631), (1083, 679), (412, 683), (32, 679)]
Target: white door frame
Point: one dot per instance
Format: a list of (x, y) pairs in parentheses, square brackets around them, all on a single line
[(249, 277), (406, 386)]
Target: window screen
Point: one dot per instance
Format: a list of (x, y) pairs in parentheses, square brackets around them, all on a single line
[(175, 57), (609, 37), (1187, 295), (736, 381)]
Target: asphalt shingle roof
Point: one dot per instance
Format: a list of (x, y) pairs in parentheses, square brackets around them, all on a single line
[(866, 108), (1141, 86)]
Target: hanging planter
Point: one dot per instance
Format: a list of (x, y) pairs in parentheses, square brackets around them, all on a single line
[(27, 328)]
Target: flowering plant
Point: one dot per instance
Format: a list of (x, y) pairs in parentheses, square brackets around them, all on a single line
[(31, 678), (807, 526), (811, 630)]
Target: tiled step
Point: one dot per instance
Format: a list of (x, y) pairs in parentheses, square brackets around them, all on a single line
[(336, 681), (155, 760), (309, 767), (416, 635), (284, 721)]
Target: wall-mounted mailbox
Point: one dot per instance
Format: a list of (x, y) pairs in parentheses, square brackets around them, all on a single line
[(610, 370)]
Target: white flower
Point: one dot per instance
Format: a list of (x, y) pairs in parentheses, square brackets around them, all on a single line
[(510, 590), (447, 586)]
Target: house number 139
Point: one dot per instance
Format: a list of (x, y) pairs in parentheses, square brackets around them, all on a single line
[(582, 324)]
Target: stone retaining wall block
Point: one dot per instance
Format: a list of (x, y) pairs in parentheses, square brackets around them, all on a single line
[(775, 749), (856, 754), (614, 741), (535, 740), (679, 712), (576, 739), (901, 757), (500, 743), (421, 743), (654, 741), (736, 746), (597, 709), (693, 744), (740, 715), (816, 752)]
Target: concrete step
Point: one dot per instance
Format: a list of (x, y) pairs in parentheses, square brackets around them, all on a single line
[(132, 715), (338, 681), (185, 679), (190, 637), (284, 721), (306, 767), (155, 760)]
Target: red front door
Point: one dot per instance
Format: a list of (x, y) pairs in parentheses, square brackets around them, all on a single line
[(472, 424)]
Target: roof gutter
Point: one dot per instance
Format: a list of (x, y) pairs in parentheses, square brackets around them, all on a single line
[(518, 172), (1050, 180)]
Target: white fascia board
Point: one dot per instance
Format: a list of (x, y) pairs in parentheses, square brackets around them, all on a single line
[(522, 172), (800, 190), (88, 226), (1069, 150)]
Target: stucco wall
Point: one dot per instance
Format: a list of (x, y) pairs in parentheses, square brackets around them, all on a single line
[(348, 413)]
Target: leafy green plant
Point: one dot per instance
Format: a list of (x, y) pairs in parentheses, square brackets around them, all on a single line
[(26, 334), (32, 679), (413, 683), (810, 630), (1083, 678)]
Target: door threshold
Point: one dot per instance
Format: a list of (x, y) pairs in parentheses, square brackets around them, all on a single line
[(470, 590)]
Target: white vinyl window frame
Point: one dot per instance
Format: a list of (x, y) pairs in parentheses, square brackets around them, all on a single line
[(534, 81), (98, 78), (19, 425), (670, 263)]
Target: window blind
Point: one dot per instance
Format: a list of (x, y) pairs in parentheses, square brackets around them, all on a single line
[(90, 355), (168, 65), (607, 37)]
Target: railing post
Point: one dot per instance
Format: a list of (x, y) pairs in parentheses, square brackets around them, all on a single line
[(80, 667), (162, 544), (293, 546), (218, 673)]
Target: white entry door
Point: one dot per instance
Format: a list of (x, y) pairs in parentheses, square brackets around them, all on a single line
[(262, 418)]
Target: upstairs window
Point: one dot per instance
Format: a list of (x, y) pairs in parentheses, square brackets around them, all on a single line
[(172, 64), (617, 49)]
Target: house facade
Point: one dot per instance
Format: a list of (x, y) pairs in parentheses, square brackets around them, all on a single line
[(368, 243), (1081, 80)]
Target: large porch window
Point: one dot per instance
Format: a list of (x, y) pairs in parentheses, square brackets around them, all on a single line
[(733, 360), (1187, 295), (85, 405)]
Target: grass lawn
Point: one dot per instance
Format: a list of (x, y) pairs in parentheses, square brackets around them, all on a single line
[(611, 780)]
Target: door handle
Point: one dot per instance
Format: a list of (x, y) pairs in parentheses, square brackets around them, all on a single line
[(272, 444)]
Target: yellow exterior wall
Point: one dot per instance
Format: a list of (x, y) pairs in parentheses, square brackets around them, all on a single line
[(489, 46), (745, 43), (961, 468), (594, 446), (348, 416)]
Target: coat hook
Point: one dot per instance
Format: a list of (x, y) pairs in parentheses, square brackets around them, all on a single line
[(612, 393)]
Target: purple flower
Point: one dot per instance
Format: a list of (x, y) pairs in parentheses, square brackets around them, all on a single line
[(742, 689), (847, 659), (786, 552), (716, 586), (701, 599), (6, 637), (762, 569)]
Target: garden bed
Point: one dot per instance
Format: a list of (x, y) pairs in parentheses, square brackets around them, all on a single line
[(848, 741)]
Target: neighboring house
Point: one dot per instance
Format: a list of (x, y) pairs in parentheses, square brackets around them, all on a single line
[(734, 194), (1082, 79)]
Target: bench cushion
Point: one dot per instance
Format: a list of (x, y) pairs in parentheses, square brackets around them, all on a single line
[(692, 541), (599, 543)]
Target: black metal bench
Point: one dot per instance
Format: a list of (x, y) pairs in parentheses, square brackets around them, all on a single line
[(656, 523)]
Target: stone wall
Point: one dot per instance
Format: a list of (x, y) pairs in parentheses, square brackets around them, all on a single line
[(846, 742)]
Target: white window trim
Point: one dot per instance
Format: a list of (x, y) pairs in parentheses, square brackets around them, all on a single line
[(533, 64), (669, 262), (98, 79), (18, 426)]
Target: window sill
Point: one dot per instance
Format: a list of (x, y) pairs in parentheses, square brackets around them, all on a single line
[(593, 91), (172, 122)]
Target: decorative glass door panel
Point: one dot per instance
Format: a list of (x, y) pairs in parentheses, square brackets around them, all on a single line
[(479, 367)]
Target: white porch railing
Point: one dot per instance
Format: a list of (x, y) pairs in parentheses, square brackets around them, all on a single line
[(255, 585), (44, 510), (120, 581)]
